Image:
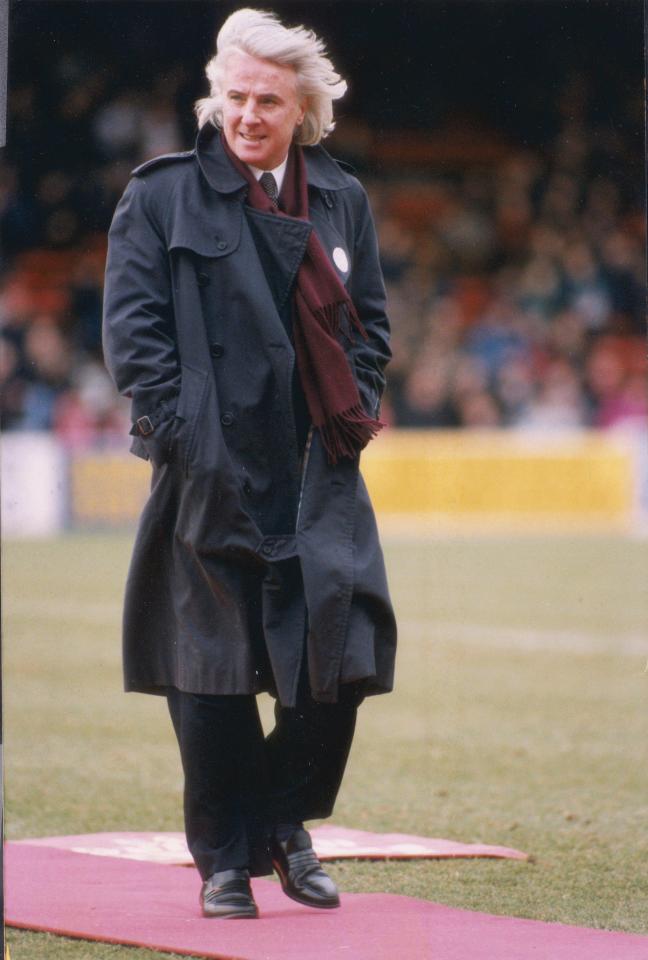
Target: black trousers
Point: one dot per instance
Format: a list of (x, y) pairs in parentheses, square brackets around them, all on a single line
[(239, 784)]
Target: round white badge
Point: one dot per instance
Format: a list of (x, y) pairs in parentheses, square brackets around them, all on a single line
[(341, 260)]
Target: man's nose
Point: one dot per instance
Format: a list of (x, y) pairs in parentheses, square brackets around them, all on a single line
[(249, 113)]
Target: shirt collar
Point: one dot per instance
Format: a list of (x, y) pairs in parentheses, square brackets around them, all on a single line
[(277, 172)]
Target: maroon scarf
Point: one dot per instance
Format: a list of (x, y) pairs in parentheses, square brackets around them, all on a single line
[(321, 303)]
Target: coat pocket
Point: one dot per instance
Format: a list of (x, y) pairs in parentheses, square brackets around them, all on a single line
[(368, 394), (190, 403)]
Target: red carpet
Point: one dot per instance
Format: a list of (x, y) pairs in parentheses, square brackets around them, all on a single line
[(155, 905), (331, 843)]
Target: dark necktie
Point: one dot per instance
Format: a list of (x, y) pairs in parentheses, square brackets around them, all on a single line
[(269, 184)]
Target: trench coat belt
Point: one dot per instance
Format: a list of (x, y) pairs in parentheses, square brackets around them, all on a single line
[(278, 547)]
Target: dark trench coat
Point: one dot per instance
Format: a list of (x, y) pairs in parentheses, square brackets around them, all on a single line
[(244, 544)]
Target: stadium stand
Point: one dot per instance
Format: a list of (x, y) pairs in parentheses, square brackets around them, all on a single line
[(515, 272)]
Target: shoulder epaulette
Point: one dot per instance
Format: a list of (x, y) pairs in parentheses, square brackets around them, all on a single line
[(159, 161), (345, 166)]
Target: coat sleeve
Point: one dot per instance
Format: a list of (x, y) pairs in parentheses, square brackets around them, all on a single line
[(367, 291), (138, 324)]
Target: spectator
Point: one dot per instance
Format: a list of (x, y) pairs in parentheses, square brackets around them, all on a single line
[(49, 362)]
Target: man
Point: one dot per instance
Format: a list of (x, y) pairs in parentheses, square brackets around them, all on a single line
[(245, 317)]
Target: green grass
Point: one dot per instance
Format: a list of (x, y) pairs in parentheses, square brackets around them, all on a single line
[(519, 719)]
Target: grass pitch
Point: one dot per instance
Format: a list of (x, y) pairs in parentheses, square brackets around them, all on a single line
[(519, 718)]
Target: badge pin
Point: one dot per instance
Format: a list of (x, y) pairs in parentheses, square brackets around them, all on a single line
[(341, 260)]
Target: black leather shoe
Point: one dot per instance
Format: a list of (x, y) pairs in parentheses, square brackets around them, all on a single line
[(301, 874), (227, 894)]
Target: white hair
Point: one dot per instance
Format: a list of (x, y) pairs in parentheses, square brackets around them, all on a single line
[(261, 34)]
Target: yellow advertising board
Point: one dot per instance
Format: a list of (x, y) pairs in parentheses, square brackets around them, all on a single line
[(107, 489), (577, 479), (500, 474)]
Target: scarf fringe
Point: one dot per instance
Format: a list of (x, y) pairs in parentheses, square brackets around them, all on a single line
[(330, 317), (346, 434)]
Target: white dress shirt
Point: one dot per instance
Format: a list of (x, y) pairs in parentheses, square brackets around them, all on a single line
[(278, 173)]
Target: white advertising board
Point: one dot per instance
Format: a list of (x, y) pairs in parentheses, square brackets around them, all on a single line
[(34, 486)]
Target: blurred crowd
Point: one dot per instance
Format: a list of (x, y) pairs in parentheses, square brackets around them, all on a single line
[(516, 284), (517, 295)]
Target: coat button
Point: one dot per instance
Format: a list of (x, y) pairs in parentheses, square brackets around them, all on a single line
[(267, 549), (227, 419), (203, 279), (221, 245), (216, 349)]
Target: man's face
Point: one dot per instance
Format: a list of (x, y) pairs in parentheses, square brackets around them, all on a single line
[(261, 109)]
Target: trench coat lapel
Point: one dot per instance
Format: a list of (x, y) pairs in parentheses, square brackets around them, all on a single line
[(281, 245)]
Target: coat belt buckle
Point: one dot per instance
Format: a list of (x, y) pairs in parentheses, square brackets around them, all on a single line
[(145, 426)]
